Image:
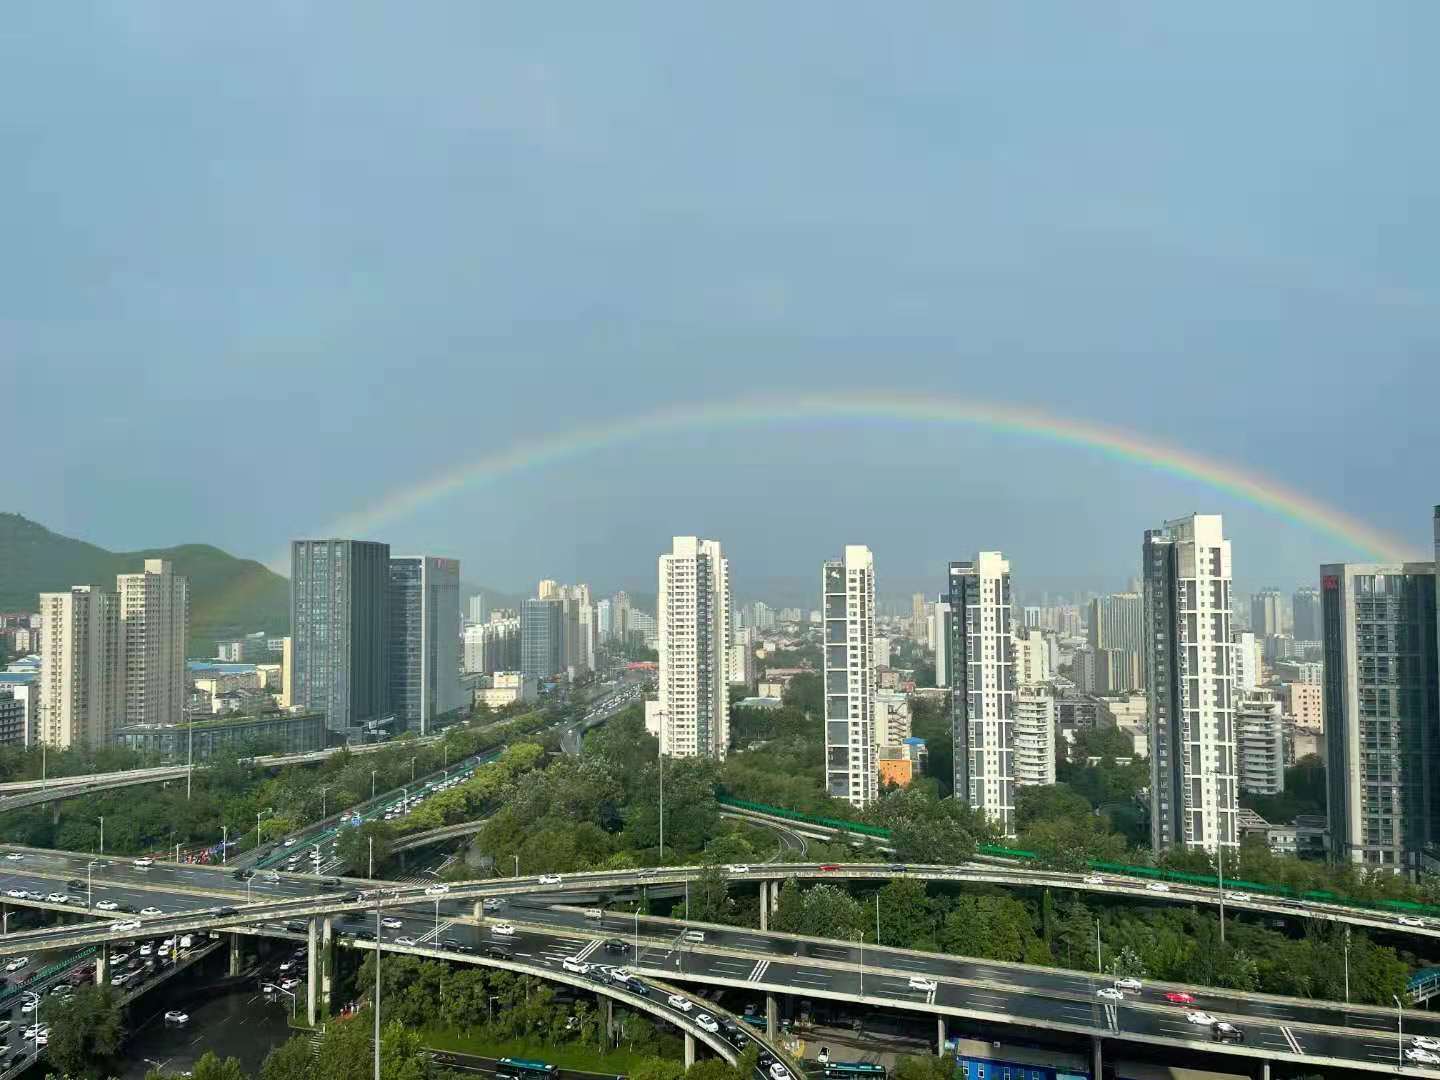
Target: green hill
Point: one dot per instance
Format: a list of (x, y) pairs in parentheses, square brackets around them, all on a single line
[(228, 596)]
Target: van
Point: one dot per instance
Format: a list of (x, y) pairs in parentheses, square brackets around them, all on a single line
[(696, 936)]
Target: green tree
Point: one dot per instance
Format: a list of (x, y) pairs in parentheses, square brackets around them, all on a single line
[(355, 844), (923, 1067), (210, 1067), (907, 916), (85, 1031), (291, 1060), (709, 898)]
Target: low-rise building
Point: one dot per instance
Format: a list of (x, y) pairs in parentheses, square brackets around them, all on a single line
[(277, 733), (1306, 703), (1034, 735), (14, 719), (1260, 744), (506, 688), (892, 717)]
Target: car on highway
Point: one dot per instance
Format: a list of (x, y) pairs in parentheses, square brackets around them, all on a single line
[(649, 871), (1234, 895), (144, 864), (1199, 1017), (594, 913), (175, 1016), (120, 978), (1180, 997), (706, 1022), (576, 965), (1425, 1042), (1410, 920), (18, 894), (1158, 886), (15, 856), (829, 867), (1094, 879), (1109, 993), (779, 1072), (58, 898), (391, 923), (119, 957), (1129, 984), (30, 1003), (493, 903), (289, 984), (436, 890), (147, 949), (678, 1001), (550, 879), (739, 868), (403, 940), (495, 952), (152, 911), (920, 982), (1224, 1031), (125, 926), (107, 905), (289, 842), (16, 964), (1422, 1057), (503, 929), (616, 944), (37, 1033)]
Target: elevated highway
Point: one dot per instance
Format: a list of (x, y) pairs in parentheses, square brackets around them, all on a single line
[(765, 963)]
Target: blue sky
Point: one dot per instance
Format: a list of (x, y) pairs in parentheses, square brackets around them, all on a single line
[(266, 263)]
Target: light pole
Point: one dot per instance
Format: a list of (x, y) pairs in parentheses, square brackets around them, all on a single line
[(662, 795), (1099, 968), (224, 844), (258, 815), (412, 770), (5, 923), (877, 920), (517, 865), (89, 893), (324, 794), (102, 834), (861, 939), (1347, 965), (437, 920), (372, 784), (372, 856), (637, 934), (189, 753), (378, 931), (1399, 1030)]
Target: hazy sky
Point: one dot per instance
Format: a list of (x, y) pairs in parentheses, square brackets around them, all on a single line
[(263, 264)]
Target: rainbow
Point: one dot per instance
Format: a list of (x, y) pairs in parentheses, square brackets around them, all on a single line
[(863, 406)]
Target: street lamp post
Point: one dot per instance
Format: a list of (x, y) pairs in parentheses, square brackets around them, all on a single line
[(861, 939), (5, 923), (1399, 1030), (189, 753), (378, 932), (1347, 965), (102, 834), (224, 844), (324, 795), (372, 856), (1099, 968), (412, 770), (1220, 882), (372, 784), (517, 865), (258, 815), (89, 892)]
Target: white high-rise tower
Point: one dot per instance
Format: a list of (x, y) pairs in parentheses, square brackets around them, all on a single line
[(82, 668), (691, 715), (848, 602), (154, 626), (1191, 705)]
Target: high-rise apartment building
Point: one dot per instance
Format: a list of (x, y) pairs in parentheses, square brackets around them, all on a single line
[(847, 588), (492, 646), (1117, 621), (940, 635), (542, 638), (1035, 728), (82, 668), (982, 686), (1305, 609), (154, 628), (424, 614), (479, 609), (1191, 704), (919, 620), (1032, 657), (1382, 711), (340, 631), (691, 713), (1247, 660), (1260, 743), (1267, 613)]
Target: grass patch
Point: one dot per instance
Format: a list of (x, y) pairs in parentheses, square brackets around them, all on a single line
[(565, 1055)]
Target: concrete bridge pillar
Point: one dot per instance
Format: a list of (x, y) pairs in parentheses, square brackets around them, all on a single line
[(479, 910), (312, 965), (609, 1021), (772, 1016), (237, 956), (689, 1050), (1097, 1062), (327, 970), (1265, 1070), (102, 964), (939, 1035), (764, 905), (55, 812)]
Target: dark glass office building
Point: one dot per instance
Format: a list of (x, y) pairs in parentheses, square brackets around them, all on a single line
[(542, 638), (424, 640)]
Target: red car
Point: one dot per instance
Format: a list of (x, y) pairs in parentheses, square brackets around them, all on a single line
[(1180, 998), (830, 866)]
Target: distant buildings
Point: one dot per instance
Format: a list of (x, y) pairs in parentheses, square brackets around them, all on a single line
[(982, 686), (1305, 607), (14, 718), (940, 631), (847, 587), (1246, 656), (542, 638), (1260, 743), (1267, 613), (1381, 710), (892, 717), (1117, 624), (1193, 780), (920, 620), (506, 688), (424, 616), (691, 714), (339, 592), (154, 628), (478, 610), (492, 646)]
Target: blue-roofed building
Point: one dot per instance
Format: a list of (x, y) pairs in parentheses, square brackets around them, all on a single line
[(209, 669)]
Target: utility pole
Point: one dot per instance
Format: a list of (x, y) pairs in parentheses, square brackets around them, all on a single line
[(1220, 880), (1098, 967), (378, 933), (1347, 965), (224, 844), (102, 834)]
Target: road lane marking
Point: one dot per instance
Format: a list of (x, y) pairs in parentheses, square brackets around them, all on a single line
[(1291, 1039), (761, 966)]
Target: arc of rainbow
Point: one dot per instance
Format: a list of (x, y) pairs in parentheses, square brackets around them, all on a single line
[(1112, 442)]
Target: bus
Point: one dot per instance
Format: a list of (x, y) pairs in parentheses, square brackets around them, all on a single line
[(854, 1070), (520, 1069)]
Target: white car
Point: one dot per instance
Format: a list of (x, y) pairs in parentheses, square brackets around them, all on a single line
[(148, 949), (1195, 1016), (1109, 993), (1158, 886), (403, 940), (272, 876), (920, 982), (391, 923), (107, 905), (503, 929), (29, 1005), (120, 978), (289, 842), (127, 925), (1129, 984), (119, 957), (175, 1016), (576, 965), (1410, 920), (706, 1022), (1425, 1042), (550, 879), (739, 868), (493, 903), (152, 910), (18, 894), (676, 1001), (15, 856), (16, 964), (1237, 896), (1422, 1057), (779, 1072), (1094, 879), (36, 1033), (58, 898), (437, 890)]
